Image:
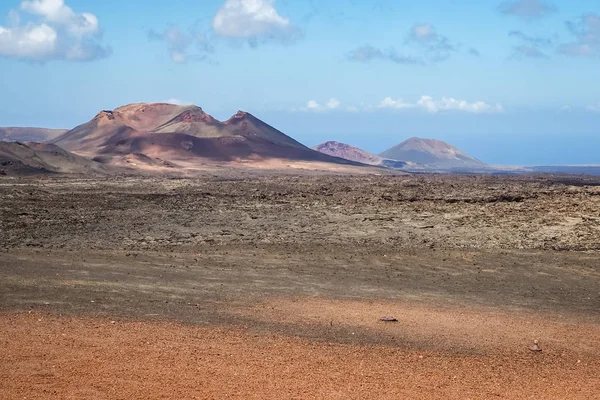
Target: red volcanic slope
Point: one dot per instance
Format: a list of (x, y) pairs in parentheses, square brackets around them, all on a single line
[(184, 133)]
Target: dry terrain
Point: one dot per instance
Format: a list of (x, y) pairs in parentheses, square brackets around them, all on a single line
[(270, 286)]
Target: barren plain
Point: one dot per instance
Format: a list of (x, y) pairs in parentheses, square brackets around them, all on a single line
[(270, 286)]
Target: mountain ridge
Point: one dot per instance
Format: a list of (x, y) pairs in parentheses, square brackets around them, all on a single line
[(184, 135)]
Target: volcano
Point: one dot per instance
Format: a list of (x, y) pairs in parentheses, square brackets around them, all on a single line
[(432, 153), (184, 136)]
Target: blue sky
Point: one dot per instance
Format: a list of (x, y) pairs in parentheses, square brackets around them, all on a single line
[(511, 82)]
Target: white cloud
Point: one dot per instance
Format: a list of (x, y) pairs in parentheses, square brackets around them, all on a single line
[(333, 103), (179, 44), (531, 46), (365, 53), (53, 32), (423, 32), (424, 103), (587, 37), (388, 102), (429, 104), (178, 57), (437, 47), (594, 107), (176, 102), (426, 45), (53, 10), (32, 42), (445, 104), (313, 105), (252, 20), (369, 53), (58, 13)]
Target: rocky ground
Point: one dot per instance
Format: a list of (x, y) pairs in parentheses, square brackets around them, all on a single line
[(273, 287)]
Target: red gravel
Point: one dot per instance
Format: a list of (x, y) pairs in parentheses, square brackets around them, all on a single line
[(47, 357)]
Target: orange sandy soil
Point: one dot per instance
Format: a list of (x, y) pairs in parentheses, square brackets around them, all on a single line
[(52, 357)]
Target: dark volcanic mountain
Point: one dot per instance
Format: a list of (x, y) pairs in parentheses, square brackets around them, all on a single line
[(19, 158), (352, 153), (183, 135), (29, 134), (432, 153)]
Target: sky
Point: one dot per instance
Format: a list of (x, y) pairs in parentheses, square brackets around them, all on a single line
[(510, 82)]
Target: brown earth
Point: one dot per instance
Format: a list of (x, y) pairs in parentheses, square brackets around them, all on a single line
[(246, 286), (41, 158)]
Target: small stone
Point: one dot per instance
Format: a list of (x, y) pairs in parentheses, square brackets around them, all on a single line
[(536, 346), (388, 319)]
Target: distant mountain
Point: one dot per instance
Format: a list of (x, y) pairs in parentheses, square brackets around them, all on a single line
[(432, 153), (352, 153), (348, 152), (19, 158), (29, 134), (593, 170), (183, 135)]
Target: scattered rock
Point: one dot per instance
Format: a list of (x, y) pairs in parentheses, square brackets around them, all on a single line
[(388, 319), (417, 226), (535, 346)]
